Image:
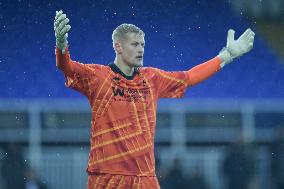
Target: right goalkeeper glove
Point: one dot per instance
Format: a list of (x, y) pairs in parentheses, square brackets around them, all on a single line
[(236, 48), (61, 30)]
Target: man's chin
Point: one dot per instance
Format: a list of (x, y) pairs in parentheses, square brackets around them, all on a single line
[(139, 64)]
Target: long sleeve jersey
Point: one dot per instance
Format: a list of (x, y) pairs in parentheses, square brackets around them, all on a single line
[(124, 109)]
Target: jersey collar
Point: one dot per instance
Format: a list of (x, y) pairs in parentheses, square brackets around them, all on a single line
[(116, 69)]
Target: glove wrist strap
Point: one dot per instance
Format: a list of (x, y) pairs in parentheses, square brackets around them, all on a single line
[(225, 56)]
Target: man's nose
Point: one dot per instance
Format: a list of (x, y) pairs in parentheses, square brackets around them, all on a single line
[(141, 49)]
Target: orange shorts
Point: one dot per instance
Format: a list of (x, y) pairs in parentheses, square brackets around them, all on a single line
[(110, 181)]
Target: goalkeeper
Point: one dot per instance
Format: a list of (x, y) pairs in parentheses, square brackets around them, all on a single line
[(123, 98)]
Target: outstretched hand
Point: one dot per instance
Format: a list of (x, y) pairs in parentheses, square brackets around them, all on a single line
[(61, 29), (238, 47), (242, 45)]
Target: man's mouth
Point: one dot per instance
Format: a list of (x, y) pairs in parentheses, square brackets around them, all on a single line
[(139, 57)]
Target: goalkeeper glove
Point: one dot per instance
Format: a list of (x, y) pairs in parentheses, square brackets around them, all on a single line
[(236, 48), (61, 29)]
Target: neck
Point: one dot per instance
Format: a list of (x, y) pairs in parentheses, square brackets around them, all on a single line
[(127, 70)]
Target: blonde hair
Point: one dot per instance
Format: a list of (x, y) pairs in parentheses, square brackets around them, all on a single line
[(121, 31)]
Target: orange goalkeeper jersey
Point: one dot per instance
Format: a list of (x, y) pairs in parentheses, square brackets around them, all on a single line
[(124, 110)]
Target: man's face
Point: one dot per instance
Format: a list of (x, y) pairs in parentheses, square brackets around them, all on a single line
[(132, 50)]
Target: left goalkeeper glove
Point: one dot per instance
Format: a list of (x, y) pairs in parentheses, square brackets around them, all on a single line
[(236, 48), (61, 29)]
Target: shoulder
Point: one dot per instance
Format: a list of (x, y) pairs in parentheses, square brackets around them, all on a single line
[(150, 73), (90, 69), (148, 70), (96, 68)]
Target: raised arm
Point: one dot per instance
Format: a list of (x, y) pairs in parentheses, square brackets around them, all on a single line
[(233, 50)]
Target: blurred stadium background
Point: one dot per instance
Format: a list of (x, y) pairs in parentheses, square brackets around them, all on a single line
[(227, 128)]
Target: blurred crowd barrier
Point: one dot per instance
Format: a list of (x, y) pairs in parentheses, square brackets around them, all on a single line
[(200, 144)]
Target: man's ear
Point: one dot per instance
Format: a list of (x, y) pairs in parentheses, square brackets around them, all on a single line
[(117, 47)]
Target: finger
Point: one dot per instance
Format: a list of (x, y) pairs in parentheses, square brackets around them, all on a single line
[(230, 37), (59, 29), (58, 13), (63, 23), (59, 19), (55, 20), (251, 39), (65, 30), (250, 46), (251, 34), (246, 33)]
